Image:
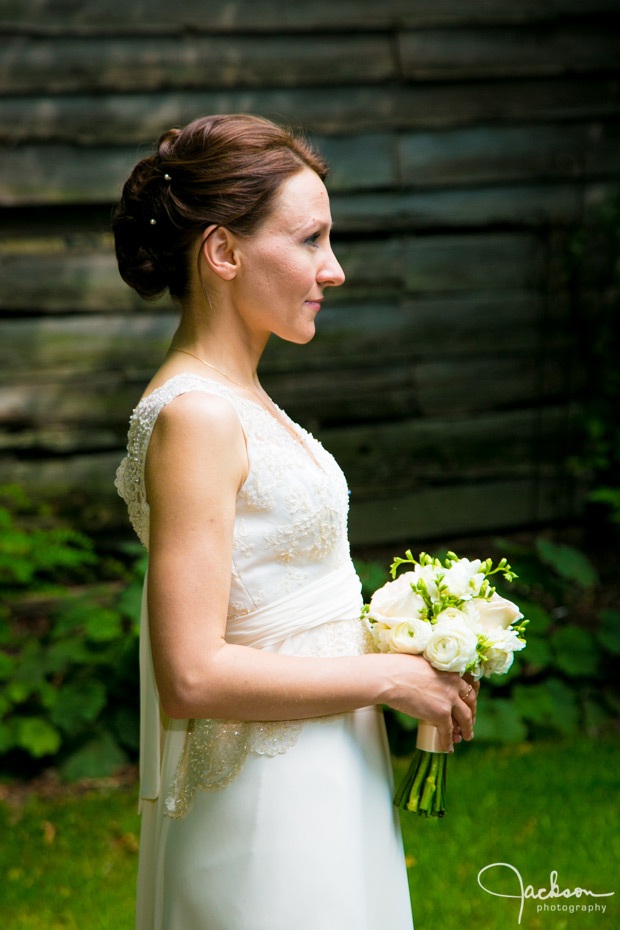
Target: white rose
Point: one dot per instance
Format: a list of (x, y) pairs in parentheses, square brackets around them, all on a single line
[(451, 646), (450, 614), (500, 653), (496, 613), (395, 601), (410, 637), (463, 578)]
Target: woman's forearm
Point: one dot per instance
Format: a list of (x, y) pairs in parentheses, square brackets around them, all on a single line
[(241, 683)]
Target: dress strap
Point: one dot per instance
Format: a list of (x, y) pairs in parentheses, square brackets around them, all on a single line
[(130, 474)]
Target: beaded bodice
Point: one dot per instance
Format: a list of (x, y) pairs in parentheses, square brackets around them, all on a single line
[(291, 518)]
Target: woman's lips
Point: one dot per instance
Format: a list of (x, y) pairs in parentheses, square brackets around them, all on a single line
[(315, 304)]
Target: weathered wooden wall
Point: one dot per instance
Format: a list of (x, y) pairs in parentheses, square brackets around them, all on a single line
[(466, 141)]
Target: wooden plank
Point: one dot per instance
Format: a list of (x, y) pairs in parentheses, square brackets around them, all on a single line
[(409, 453), (350, 335), (509, 153), (61, 277), (83, 487), (123, 64), (158, 16), (65, 174), (476, 262), (526, 205), (140, 118), (396, 390), (487, 506), (456, 54)]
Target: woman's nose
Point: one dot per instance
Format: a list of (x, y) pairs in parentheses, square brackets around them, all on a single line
[(331, 274)]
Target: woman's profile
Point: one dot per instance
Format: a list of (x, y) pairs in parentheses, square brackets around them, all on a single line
[(265, 773)]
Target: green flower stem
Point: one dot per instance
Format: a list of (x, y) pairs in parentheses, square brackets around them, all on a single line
[(404, 789), (430, 786), (413, 781), (423, 789)]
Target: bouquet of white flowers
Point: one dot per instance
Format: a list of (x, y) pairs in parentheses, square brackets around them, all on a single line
[(449, 613)]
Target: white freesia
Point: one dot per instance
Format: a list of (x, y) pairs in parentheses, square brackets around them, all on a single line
[(428, 574), (411, 636), (451, 646), (381, 635), (500, 653), (395, 601), (496, 613), (463, 580)]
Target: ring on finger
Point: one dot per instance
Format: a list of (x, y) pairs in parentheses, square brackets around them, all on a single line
[(467, 693)]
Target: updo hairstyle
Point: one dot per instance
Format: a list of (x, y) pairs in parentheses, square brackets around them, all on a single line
[(219, 169)]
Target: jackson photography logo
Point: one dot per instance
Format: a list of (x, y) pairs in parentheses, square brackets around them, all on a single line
[(545, 895)]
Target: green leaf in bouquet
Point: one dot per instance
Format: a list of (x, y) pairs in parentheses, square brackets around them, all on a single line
[(499, 720), (99, 757), (37, 736), (608, 633), (570, 563), (78, 702), (576, 651)]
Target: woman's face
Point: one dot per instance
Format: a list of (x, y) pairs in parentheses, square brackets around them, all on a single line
[(286, 265)]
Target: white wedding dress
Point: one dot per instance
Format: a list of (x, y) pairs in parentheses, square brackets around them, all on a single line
[(287, 825)]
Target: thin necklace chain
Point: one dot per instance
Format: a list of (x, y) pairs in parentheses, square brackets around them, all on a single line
[(246, 387)]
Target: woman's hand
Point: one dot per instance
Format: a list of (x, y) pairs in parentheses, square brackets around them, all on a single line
[(444, 699)]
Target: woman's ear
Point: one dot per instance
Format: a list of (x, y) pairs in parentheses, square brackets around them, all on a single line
[(218, 250)]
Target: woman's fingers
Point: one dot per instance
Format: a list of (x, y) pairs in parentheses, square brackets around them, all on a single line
[(462, 713)]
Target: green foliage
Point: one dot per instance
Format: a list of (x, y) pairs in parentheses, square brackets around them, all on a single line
[(69, 631), (594, 268), (372, 575)]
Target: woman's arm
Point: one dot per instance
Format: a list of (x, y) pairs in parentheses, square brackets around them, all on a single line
[(196, 463)]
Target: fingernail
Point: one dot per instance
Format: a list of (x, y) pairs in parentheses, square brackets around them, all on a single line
[(451, 749)]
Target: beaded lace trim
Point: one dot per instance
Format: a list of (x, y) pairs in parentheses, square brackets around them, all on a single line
[(215, 750)]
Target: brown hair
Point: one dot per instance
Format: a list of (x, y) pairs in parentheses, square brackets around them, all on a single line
[(219, 169)]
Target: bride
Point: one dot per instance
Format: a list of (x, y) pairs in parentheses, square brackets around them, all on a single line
[(265, 773)]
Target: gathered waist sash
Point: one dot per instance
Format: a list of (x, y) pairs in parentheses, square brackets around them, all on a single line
[(336, 596)]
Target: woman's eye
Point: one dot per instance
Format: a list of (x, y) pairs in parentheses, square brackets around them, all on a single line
[(312, 240)]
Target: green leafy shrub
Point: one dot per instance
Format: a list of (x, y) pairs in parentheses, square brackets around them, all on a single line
[(69, 629)]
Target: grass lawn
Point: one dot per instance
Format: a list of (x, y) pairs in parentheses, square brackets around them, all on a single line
[(70, 861)]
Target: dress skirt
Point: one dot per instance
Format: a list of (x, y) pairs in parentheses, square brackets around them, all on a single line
[(305, 840)]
